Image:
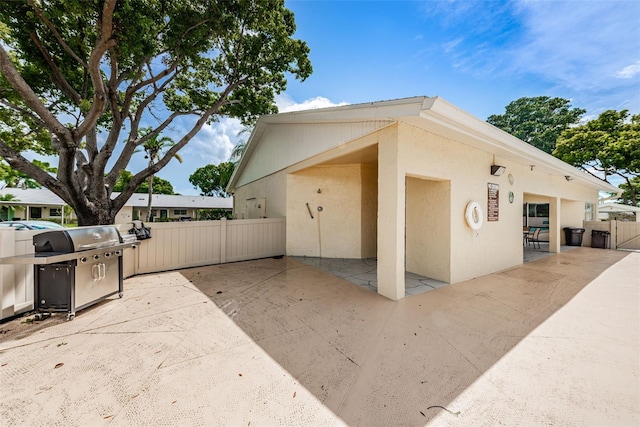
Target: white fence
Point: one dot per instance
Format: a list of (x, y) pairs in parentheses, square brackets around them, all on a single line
[(623, 234), (173, 245)]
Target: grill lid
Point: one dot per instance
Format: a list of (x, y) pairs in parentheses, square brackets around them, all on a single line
[(77, 239)]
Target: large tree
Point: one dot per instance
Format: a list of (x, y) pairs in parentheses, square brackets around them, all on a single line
[(630, 191), (605, 147), (80, 79), (212, 180), (538, 121)]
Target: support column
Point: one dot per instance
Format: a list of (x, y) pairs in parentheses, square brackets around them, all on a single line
[(391, 221), (554, 224)]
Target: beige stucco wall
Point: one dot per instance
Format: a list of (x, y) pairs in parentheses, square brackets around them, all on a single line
[(498, 244), (412, 207), (428, 238), (335, 231), (369, 211), (272, 188)]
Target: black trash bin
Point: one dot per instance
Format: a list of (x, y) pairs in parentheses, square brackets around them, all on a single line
[(573, 236), (599, 239)]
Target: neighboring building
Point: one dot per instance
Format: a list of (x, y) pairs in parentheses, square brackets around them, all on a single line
[(608, 211), (43, 204), (165, 207), (414, 182)]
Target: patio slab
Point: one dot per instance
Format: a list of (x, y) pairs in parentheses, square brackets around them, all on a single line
[(277, 342)]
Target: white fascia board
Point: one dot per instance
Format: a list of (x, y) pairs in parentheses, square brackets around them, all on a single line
[(495, 139), (256, 134)]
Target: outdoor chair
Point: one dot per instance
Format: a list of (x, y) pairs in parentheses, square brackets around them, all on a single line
[(529, 235), (535, 237)]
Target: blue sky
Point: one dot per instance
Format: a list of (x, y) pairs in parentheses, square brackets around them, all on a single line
[(478, 55)]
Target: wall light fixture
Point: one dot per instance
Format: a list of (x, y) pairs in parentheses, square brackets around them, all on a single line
[(497, 170)]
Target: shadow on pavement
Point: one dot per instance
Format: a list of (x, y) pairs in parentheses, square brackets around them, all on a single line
[(373, 361)]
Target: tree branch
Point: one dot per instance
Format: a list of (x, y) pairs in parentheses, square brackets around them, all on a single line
[(55, 33), (20, 163), (31, 99), (23, 111), (58, 78), (103, 44)]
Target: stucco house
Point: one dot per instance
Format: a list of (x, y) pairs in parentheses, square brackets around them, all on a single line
[(418, 183), (43, 204)]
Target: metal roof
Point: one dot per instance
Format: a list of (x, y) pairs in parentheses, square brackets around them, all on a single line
[(47, 198), (432, 113), (617, 207)]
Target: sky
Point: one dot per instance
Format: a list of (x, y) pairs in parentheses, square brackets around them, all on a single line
[(477, 55)]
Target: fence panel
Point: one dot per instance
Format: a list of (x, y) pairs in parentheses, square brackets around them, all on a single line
[(628, 235), (173, 245), (254, 238)]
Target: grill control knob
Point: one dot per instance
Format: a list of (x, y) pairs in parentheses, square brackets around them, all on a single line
[(83, 259), (107, 254), (96, 256), (118, 252)]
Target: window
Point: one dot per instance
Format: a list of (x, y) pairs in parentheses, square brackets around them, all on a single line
[(588, 211), (180, 212), (538, 210), (542, 210), (55, 212), (35, 213)]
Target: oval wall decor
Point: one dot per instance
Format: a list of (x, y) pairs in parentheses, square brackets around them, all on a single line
[(473, 215)]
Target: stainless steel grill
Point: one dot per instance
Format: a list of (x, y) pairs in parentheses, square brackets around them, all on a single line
[(75, 268)]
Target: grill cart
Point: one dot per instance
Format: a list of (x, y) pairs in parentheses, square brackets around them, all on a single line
[(75, 268)]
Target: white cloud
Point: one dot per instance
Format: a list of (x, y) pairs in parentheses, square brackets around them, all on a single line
[(215, 142), (587, 50), (287, 104), (451, 45), (629, 72), (580, 45)]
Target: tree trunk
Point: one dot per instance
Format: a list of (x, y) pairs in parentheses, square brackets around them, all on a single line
[(97, 217), (149, 201)]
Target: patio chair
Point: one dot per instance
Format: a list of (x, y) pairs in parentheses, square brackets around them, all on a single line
[(535, 237), (529, 235)]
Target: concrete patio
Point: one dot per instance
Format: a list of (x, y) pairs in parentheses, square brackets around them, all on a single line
[(555, 341)]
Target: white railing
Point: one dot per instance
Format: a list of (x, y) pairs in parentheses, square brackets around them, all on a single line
[(173, 245)]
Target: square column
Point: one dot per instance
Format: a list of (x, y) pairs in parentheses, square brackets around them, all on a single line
[(554, 224), (391, 222)]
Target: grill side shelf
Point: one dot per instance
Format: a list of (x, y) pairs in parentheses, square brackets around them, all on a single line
[(42, 258)]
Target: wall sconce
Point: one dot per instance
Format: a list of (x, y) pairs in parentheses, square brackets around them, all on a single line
[(497, 170), (568, 178)]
